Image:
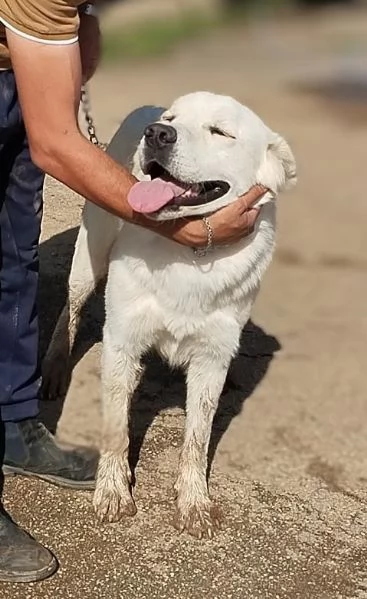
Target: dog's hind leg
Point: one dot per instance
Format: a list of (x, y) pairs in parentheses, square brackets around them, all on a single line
[(206, 376), (97, 233)]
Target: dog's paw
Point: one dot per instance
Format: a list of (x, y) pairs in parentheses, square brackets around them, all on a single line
[(201, 520), (111, 505)]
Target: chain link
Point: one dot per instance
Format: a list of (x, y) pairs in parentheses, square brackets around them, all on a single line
[(89, 119)]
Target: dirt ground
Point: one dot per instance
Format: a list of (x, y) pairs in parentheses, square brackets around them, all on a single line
[(290, 442)]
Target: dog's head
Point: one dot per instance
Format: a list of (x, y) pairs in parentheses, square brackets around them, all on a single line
[(203, 153)]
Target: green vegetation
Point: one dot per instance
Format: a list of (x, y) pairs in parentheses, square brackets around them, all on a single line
[(153, 38)]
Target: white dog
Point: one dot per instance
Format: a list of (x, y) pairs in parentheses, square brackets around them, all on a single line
[(195, 158)]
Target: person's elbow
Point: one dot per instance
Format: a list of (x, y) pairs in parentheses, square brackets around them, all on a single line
[(49, 153), (46, 155)]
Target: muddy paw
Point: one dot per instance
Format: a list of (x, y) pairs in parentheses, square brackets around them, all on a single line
[(200, 521), (111, 506)]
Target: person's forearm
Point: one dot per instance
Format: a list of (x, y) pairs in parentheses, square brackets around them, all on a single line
[(89, 171), (93, 174)]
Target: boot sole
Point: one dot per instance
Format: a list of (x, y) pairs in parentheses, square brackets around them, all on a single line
[(59, 481), (30, 576)]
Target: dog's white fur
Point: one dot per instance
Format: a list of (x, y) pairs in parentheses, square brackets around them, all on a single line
[(159, 294)]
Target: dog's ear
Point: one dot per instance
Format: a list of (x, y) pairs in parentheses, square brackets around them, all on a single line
[(278, 170)]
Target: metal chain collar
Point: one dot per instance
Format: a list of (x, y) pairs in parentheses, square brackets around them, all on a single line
[(89, 119)]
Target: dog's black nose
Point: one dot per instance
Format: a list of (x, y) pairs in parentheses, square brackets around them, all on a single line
[(160, 136)]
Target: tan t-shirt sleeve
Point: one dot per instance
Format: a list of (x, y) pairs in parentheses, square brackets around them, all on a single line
[(49, 21)]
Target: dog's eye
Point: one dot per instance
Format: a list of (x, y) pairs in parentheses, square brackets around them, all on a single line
[(218, 131), (168, 118)]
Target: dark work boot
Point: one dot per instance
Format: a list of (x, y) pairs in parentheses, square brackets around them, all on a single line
[(31, 450), (22, 559)]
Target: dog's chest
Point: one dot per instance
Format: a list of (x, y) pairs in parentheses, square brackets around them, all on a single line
[(182, 286)]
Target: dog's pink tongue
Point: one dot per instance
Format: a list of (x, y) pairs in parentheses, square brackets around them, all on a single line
[(150, 196)]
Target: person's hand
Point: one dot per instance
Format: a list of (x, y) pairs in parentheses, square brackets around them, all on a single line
[(90, 45), (230, 224)]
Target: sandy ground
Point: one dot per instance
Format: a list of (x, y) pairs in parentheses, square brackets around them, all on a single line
[(290, 442)]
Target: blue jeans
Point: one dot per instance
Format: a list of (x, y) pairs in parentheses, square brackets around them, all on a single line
[(21, 184)]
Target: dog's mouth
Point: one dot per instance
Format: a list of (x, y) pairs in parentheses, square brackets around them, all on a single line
[(165, 191)]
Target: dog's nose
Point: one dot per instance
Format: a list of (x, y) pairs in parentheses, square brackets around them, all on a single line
[(160, 136)]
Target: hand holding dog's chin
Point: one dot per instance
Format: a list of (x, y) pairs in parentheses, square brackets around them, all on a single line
[(236, 221), (230, 224)]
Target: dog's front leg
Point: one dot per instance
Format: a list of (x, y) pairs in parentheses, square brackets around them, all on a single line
[(120, 377), (195, 511)]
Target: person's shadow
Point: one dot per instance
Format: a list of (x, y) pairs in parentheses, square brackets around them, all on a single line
[(161, 388)]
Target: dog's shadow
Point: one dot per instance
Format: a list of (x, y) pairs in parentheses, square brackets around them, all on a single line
[(161, 388)]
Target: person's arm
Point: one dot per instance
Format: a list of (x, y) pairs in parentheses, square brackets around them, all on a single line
[(49, 81)]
